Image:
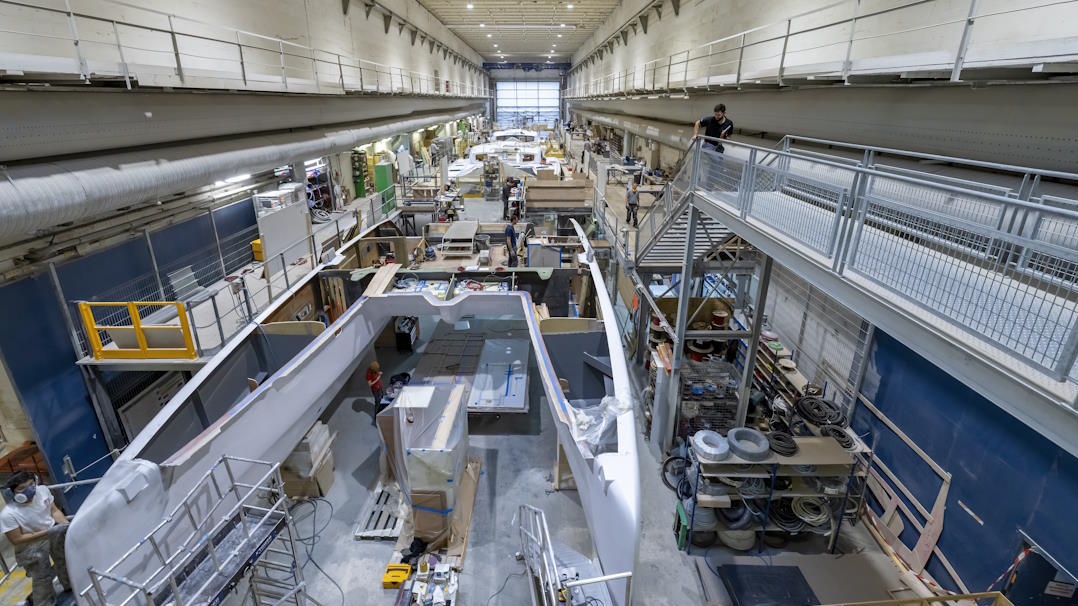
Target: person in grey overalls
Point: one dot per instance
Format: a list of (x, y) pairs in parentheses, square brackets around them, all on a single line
[(632, 205), (37, 528)]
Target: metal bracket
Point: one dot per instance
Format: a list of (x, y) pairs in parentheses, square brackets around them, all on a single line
[(676, 4), (387, 19)]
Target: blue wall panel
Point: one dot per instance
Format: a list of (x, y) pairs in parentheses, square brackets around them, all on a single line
[(37, 349), (39, 355), (234, 218), (1006, 473)]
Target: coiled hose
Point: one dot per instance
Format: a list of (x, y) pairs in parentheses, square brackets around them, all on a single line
[(839, 434), (782, 443), (680, 485), (811, 510), (819, 411)]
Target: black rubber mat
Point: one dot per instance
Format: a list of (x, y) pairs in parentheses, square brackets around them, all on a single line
[(766, 585)]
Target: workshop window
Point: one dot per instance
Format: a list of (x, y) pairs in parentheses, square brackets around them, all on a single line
[(522, 103)]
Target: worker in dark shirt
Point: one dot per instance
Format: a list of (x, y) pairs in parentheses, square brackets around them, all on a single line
[(511, 241), (716, 126), (507, 189)]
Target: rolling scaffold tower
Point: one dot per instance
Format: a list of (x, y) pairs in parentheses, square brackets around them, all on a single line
[(224, 534)]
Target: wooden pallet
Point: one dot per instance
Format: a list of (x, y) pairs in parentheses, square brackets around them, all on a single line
[(378, 519)]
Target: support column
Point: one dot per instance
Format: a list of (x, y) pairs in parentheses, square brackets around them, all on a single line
[(217, 242), (99, 398), (754, 342), (153, 262), (678, 352)]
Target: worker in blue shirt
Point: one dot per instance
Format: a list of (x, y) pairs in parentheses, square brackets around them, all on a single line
[(511, 241)]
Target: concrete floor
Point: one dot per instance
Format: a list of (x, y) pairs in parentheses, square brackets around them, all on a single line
[(518, 454)]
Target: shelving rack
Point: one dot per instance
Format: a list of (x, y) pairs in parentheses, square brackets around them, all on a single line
[(223, 530), (817, 456)]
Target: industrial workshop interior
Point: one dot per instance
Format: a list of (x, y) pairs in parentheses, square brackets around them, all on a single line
[(538, 302)]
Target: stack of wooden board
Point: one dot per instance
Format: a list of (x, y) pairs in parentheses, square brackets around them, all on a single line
[(545, 195)]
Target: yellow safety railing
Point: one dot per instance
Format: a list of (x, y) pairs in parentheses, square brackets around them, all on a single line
[(990, 598), (151, 341)]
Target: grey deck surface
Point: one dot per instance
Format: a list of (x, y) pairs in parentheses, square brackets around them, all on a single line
[(1031, 321)]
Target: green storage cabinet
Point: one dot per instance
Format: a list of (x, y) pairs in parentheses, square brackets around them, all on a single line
[(383, 180)]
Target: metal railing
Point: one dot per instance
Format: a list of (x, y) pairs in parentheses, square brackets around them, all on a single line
[(220, 528), (236, 288), (141, 336), (169, 50), (849, 37), (1000, 264)]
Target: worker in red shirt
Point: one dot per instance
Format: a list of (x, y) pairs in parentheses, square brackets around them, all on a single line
[(374, 380)]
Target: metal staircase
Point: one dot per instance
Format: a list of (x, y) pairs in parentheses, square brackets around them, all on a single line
[(666, 247)]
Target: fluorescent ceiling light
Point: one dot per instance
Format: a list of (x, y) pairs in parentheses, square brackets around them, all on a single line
[(562, 25), (489, 35), (559, 35), (495, 46), (469, 6), (511, 26), (569, 6), (482, 25), (237, 178)]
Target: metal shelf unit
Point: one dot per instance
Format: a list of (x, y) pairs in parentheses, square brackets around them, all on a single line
[(817, 456)]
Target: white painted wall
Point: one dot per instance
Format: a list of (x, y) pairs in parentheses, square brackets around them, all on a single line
[(319, 24), (921, 37)]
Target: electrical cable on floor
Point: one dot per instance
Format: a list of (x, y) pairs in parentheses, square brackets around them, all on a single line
[(504, 583), (316, 535)]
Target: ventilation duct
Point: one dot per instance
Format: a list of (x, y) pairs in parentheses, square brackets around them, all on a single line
[(37, 197)]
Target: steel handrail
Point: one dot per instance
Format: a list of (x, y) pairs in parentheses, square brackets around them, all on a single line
[(873, 172), (464, 88), (937, 157), (596, 83)]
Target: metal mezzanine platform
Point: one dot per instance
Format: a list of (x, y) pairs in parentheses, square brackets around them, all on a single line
[(977, 278)]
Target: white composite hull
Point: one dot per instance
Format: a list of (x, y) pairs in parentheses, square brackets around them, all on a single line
[(135, 494)]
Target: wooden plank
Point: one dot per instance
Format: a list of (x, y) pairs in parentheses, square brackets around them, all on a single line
[(381, 280), (449, 418), (462, 522)]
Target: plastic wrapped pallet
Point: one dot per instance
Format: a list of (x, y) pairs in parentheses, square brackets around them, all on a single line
[(426, 435)]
